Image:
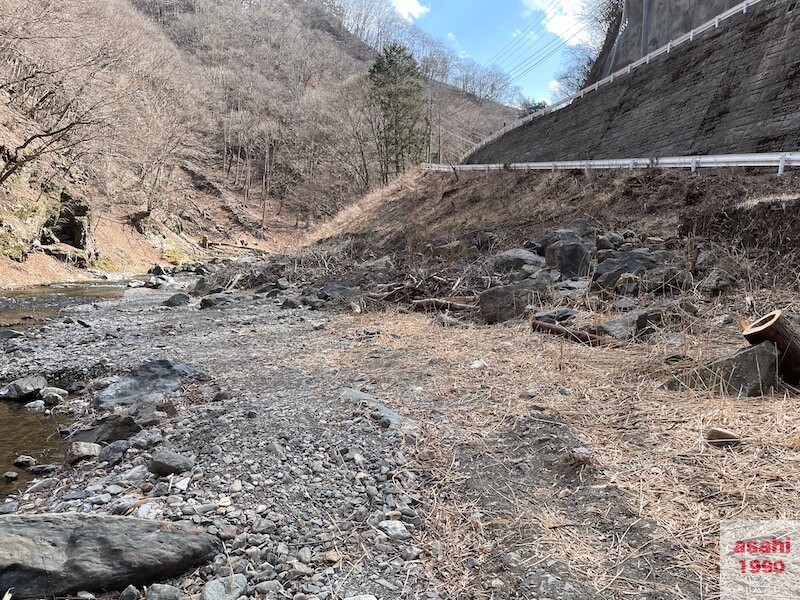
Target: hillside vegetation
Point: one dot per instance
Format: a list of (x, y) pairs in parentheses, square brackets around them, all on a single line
[(174, 120)]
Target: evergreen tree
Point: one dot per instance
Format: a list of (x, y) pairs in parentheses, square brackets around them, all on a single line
[(400, 128)]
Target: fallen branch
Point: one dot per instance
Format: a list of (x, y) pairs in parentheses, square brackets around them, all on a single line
[(440, 304), (571, 334)]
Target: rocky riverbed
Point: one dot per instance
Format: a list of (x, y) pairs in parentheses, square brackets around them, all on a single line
[(333, 452)]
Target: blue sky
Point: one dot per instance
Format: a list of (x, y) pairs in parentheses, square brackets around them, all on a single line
[(527, 38)]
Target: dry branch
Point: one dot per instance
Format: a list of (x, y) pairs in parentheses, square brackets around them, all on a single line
[(441, 304), (571, 334)]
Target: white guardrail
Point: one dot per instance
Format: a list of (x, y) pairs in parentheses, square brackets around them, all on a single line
[(776, 160), (689, 37)]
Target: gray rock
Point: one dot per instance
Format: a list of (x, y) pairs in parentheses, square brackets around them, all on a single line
[(502, 303), (36, 406), (108, 429), (24, 461), (716, 282), (291, 302), (146, 439), (25, 388), (750, 372), (571, 258), (396, 530), (635, 263), (229, 588), (159, 591), (10, 476), (154, 377), (221, 300), (632, 325), (389, 418), (175, 301), (9, 508), (11, 334), (166, 462), (42, 556), (78, 451), (130, 593), (513, 260), (114, 452)]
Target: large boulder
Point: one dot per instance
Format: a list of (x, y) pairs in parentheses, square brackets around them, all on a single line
[(750, 372), (619, 274), (45, 556), (505, 302), (515, 259), (572, 259), (154, 377), (26, 388)]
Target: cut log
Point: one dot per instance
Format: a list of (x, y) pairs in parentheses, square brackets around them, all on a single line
[(571, 334), (776, 328)]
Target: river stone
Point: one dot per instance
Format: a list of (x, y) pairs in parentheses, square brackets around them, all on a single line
[(166, 462), (43, 556), (175, 301), (130, 593), (396, 530), (159, 591), (229, 588), (11, 334), (78, 451), (154, 377), (114, 452), (635, 263), (108, 429), (26, 388), (570, 258)]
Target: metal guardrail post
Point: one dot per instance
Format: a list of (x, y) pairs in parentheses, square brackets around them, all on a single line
[(782, 165), (694, 165)]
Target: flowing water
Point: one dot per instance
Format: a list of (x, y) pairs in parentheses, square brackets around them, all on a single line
[(22, 431)]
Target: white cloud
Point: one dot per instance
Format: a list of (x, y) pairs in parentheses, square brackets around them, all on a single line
[(563, 18), (410, 9), (452, 37), (554, 85)]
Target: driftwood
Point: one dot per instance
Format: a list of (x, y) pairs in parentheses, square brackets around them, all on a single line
[(571, 334), (776, 328), (442, 304)]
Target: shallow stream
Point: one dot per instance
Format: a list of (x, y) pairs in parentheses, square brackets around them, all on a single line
[(22, 431)]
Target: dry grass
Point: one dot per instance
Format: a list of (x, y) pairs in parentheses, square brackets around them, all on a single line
[(647, 441)]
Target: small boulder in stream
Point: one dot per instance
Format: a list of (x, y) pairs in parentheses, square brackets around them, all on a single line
[(26, 388), (45, 556)]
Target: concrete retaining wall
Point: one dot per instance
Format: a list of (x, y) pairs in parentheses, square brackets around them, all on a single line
[(734, 90)]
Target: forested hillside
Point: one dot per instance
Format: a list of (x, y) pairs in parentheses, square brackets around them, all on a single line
[(201, 117)]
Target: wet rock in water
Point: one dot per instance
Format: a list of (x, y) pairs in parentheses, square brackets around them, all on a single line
[(154, 377), (167, 462), (515, 259), (42, 556), (25, 388), (24, 461), (571, 258), (35, 406), (78, 451), (108, 429), (750, 372), (505, 302), (159, 591), (175, 301), (228, 588)]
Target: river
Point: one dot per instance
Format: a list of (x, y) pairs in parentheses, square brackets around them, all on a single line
[(22, 431)]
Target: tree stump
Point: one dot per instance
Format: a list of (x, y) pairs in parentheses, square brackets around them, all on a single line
[(777, 329)]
